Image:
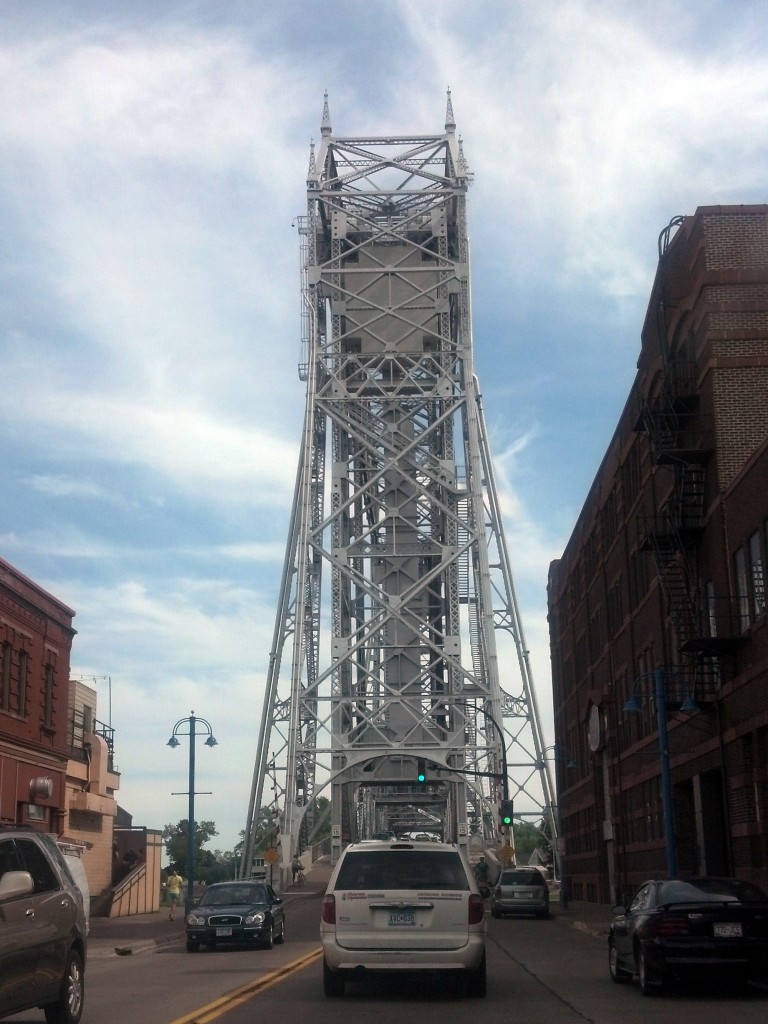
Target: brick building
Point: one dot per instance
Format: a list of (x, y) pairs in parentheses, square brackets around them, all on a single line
[(35, 642), (56, 758), (657, 607)]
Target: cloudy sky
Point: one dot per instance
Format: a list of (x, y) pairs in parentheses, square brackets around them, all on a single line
[(154, 157)]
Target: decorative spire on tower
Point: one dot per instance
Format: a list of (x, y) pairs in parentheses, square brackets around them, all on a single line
[(326, 125), (461, 164), (450, 123), (312, 169)]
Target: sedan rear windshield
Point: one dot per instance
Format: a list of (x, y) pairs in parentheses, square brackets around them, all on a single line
[(402, 869), (710, 890)]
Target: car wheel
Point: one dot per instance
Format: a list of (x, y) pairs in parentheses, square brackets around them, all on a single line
[(476, 982), (333, 983), (192, 945), (618, 973), (650, 984), (280, 939), (69, 1006), (269, 940)]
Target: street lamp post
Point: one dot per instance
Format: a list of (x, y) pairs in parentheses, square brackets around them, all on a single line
[(563, 760), (192, 722)]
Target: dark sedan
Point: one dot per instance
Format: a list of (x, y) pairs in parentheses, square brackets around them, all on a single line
[(698, 927), (243, 913)]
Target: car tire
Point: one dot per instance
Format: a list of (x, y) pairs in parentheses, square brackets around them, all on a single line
[(192, 945), (650, 984), (333, 983), (69, 1006), (619, 974), (280, 938), (477, 981), (269, 941)]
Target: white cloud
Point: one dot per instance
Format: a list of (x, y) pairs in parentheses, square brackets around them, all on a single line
[(150, 305), (62, 486)]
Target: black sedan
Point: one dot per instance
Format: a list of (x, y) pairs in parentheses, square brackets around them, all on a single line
[(243, 913), (698, 927)]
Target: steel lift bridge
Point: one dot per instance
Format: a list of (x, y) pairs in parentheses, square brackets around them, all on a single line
[(398, 649)]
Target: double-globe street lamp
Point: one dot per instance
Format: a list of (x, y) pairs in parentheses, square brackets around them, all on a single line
[(659, 679), (193, 723)]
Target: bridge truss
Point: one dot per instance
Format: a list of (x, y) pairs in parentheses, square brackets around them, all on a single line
[(398, 648)]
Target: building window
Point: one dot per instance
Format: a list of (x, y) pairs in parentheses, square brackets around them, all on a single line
[(638, 577), (5, 677), (711, 609), (630, 477), (757, 574), (23, 677), (615, 609), (742, 587), (48, 696)]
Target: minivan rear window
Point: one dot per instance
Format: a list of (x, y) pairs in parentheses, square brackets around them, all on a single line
[(402, 869), (522, 878)]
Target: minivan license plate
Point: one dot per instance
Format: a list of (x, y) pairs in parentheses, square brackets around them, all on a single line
[(401, 919)]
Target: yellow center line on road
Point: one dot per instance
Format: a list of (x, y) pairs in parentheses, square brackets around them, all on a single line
[(241, 995)]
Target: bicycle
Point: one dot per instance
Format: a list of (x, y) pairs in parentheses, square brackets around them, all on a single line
[(299, 879)]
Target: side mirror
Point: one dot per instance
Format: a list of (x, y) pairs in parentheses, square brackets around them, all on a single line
[(14, 884)]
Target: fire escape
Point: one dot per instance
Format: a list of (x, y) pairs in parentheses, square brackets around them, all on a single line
[(679, 439)]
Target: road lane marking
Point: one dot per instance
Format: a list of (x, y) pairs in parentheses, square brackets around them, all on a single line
[(241, 995)]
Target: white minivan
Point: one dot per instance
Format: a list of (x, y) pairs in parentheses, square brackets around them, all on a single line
[(402, 907)]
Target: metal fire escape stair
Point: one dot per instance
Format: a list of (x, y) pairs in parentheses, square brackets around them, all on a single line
[(672, 421)]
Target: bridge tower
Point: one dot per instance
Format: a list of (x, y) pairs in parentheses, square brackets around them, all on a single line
[(398, 650)]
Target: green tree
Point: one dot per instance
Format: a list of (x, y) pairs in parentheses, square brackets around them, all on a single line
[(175, 840), (527, 837), (223, 866)]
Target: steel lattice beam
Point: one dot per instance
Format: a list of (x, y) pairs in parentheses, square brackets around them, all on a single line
[(396, 510)]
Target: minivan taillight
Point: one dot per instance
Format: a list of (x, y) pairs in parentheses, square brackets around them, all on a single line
[(476, 908), (329, 909)]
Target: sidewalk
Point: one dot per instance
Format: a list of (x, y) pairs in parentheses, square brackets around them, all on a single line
[(593, 918), (141, 933)]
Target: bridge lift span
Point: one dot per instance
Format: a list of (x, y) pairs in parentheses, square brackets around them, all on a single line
[(399, 682)]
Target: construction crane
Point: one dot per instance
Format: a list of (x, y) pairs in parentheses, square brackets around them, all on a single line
[(399, 682)]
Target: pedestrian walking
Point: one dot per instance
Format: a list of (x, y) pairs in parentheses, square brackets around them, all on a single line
[(175, 886)]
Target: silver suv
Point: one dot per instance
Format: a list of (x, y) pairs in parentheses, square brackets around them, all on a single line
[(520, 891), (402, 907), (43, 929)]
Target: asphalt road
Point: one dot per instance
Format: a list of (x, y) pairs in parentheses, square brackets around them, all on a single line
[(540, 972)]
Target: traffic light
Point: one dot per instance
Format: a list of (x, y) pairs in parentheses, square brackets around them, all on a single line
[(421, 771), (505, 812)]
